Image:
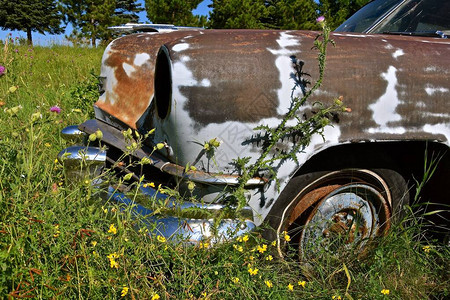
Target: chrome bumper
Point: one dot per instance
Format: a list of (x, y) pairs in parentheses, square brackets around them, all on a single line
[(81, 162)]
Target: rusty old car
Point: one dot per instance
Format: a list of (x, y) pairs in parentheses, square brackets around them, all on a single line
[(391, 65)]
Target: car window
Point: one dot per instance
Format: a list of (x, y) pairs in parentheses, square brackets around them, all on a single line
[(389, 16), (368, 15)]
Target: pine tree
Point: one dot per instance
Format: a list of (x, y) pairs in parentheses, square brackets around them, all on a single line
[(292, 14), (238, 14), (91, 18), (42, 16), (337, 11), (176, 12)]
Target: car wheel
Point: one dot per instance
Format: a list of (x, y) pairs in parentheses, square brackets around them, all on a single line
[(343, 210)]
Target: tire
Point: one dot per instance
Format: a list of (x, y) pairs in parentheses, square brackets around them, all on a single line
[(338, 210)]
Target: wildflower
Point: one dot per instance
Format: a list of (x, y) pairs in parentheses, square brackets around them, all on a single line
[(238, 248), (161, 239), (55, 109), (268, 283), (287, 238), (302, 283), (112, 260), (155, 297), (426, 249), (290, 287), (269, 257), (235, 280), (245, 238), (253, 271), (2, 70), (112, 229), (251, 257), (385, 291), (320, 19), (262, 249), (204, 245), (93, 243), (124, 291), (193, 168), (274, 243), (337, 297), (191, 186), (47, 145)]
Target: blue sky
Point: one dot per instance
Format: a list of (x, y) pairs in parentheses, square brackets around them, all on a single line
[(40, 39)]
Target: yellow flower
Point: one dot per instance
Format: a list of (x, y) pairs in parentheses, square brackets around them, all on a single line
[(302, 283), (155, 297), (238, 248), (161, 239), (105, 210), (253, 271), (290, 287), (287, 238), (385, 291), (269, 257), (426, 249), (336, 297), (94, 243), (124, 291), (245, 238), (113, 263), (235, 279), (251, 257), (262, 249), (268, 283), (274, 243), (112, 229), (204, 245), (47, 145)]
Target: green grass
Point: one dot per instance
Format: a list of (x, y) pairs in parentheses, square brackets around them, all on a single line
[(55, 238)]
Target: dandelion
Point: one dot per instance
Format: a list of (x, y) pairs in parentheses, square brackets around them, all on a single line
[(161, 239), (268, 283), (290, 287), (124, 291), (302, 283), (235, 280), (426, 249), (253, 271), (385, 291), (155, 297), (262, 249), (112, 229), (2, 70), (269, 257), (55, 109), (320, 19)]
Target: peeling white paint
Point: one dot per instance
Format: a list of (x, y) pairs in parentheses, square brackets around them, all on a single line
[(430, 69), (437, 115), (441, 128), (128, 69), (431, 90), (384, 108), (389, 47), (180, 47), (284, 65), (348, 34), (141, 59), (185, 58), (421, 104), (388, 130), (398, 53), (205, 82)]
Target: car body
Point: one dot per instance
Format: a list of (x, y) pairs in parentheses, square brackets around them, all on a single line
[(194, 85)]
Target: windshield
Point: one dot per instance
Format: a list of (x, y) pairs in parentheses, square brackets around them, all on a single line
[(409, 16)]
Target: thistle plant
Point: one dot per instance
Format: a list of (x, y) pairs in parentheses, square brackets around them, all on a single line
[(305, 127)]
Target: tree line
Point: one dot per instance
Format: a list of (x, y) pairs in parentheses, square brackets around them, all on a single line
[(90, 19)]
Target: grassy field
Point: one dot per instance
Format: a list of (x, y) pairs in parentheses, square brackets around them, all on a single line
[(61, 241)]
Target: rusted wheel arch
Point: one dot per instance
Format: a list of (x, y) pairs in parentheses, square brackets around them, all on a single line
[(385, 189)]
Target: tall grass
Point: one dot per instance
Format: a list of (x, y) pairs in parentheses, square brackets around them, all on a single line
[(62, 241)]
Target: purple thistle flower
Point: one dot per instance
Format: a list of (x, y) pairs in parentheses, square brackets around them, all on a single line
[(2, 70), (55, 109), (320, 19)]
